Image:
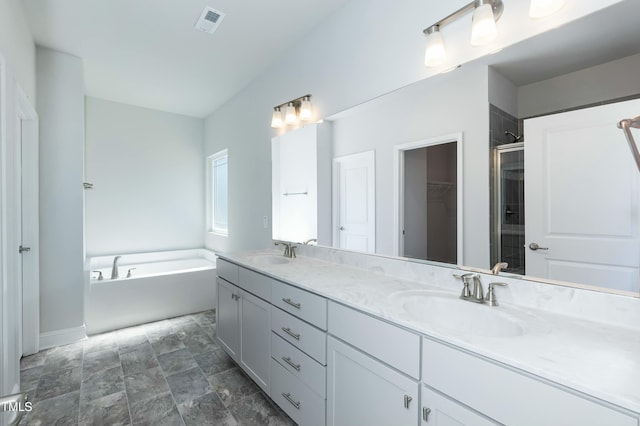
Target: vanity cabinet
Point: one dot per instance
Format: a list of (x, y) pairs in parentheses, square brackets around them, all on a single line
[(509, 396), (439, 410), (372, 370), (244, 323)]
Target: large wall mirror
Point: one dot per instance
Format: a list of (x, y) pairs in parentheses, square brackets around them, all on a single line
[(538, 146)]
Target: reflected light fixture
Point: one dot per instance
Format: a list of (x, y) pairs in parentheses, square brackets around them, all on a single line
[(294, 111), (483, 29), (542, 8), (276, 118)]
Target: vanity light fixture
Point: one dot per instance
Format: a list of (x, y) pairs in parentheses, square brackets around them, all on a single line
[(483, 28), (542, 8), (294, 111)]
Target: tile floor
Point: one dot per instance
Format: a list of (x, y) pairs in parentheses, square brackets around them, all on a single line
[(169, 372)]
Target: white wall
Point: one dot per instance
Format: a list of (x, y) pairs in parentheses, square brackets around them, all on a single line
[(61, 108), (611, 80), (364, 50), (17, 46), (148, 173), (447, 104)]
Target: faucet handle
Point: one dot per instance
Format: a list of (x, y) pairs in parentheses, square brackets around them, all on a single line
[(292, 250), (129, 272), (491, 296), (466, 293), (100, 278)]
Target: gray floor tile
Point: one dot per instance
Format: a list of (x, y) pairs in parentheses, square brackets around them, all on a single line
[(112, 410), (177, 361), (167, 343), (35, 360), (29, 378), (64, 357), (59, 411), (101, 342), (214, 362), (232, 385), (199, 342), (159, 329), (188, 385), (187, 329), (58, 383), (145, 385), (206, 410), (102, 383), (140, 358), (99, 361), (157, 411), (256, 409)]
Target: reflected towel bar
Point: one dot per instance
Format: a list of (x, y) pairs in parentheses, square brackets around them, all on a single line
[(626, 126), (286, 194)]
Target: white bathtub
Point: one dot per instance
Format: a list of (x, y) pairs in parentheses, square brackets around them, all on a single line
[(162, 285)]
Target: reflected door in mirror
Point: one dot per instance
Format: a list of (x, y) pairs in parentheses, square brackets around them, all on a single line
[(582, 198)]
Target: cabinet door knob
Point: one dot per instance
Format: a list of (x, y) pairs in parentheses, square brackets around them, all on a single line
[(425, 413), (407, 401)]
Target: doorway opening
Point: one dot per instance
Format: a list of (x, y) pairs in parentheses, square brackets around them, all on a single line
[(429, 205)]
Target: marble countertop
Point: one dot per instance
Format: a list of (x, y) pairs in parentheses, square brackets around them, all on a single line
[(600, 360)]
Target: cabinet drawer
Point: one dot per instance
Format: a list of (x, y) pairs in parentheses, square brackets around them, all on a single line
[(227, 270), (508, 396), (397, 347), (301, 365), (308, 306), (305, 337), (303, 405), (255, 283)]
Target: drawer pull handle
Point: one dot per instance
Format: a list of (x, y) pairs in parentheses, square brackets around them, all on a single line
[(291, 363), (425, 413), (291, 333), (287, 396), (292, 303), (407, 401)]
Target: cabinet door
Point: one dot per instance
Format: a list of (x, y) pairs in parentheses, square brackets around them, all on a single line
[(227, 328), (255, 338), (438, 410), (364, 391)]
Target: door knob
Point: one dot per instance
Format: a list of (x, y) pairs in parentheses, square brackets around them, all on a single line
[(22, 249), (535, 246), (342, 228)]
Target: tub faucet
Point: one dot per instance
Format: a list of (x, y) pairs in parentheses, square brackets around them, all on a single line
[(499, 267), (114, 269)]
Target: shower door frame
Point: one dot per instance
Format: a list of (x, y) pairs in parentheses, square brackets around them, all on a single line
[(497, 195)]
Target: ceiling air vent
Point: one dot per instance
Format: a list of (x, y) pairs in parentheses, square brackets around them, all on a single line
[(209, 20)]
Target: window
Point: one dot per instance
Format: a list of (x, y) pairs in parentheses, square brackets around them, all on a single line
[(218, 192)]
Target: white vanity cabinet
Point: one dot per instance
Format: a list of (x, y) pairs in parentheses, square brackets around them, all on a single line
[(244, 322), (299, 349), (506, 395), (372, 371), (439, 410)]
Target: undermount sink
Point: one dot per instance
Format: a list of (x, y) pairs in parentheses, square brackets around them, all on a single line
[(268, 259), (447, 312)]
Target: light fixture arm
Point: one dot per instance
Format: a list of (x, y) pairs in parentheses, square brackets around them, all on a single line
[(296, 102), (496, 5)]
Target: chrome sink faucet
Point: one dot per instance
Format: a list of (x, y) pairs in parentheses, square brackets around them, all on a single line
[(289, 249), (499, 267), (114, 269), (477, 294)]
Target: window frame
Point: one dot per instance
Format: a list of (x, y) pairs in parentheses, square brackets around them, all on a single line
[(211, 198)]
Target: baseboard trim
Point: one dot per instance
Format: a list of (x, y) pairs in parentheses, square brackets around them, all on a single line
[(65, 336)]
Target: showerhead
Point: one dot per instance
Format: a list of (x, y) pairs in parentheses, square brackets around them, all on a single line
[(516, 138)]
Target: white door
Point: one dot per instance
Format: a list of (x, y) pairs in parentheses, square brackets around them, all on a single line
[(354, 183), (581, 189), (439, 410)]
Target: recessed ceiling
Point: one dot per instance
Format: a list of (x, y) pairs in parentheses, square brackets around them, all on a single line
[(148, 53)]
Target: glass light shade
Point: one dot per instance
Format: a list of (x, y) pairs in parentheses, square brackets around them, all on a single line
[(276, 118), (435, 54), (290, 116), (305, 109), (542, 8), (483, 26)]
